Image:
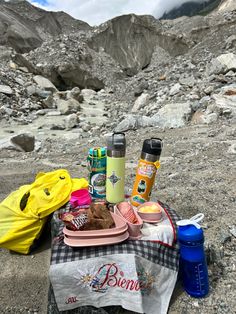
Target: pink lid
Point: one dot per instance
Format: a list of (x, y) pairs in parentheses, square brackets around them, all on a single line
[(80, 197)]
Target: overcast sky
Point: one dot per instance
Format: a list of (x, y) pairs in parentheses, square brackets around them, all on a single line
[(96, 12)]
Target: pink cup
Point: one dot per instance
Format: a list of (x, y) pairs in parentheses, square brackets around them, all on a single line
[(80, 198), (134, 229), (150, 216)]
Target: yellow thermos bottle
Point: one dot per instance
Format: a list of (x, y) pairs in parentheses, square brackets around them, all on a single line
[(115, 178), (146, 171)]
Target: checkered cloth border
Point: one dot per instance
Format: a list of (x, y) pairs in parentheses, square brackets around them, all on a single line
[(152, 251)]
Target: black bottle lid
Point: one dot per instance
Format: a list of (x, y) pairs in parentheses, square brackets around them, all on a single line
[(116, 145), (152, 146)]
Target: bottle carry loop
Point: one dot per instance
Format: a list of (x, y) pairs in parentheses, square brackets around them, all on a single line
[(192, 221), (157, 164)]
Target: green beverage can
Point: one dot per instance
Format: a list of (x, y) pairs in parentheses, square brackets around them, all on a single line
[(97, 160)]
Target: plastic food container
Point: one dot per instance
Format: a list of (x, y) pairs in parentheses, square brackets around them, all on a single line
[(150, 211), (134, 229), (80, 197)]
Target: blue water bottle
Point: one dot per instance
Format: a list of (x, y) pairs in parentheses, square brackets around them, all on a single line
[(193, 267)]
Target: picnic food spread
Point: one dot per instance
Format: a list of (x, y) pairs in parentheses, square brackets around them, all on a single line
[(90, 210), (98, 213)]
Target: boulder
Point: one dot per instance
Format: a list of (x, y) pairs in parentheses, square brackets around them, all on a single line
[(141, 102), (24, 141), (134, 122), (225, 105), (67, 106), (222, 64), (71, 121), (44, 83), (140, 88), (76, 94), (36, 91), (172, 115), (88, 94), (6, 90)]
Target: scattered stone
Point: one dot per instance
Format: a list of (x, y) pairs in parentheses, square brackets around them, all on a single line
[(25, 141), (232, 149), (67, 106), (134, 122), (224, 237), (231, 41), (44, 83), (209, 90), (187, 81), (222, 64), (141, 102), (232, 230), (53, 113), (140, 89), (175, 89), (225, 105), (76, 94), (209, 118), (71, 121), (86, 127), (6, 90), (88, 94), (57, 127)]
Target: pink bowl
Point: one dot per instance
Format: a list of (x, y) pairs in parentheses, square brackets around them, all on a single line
[(80, 197), (134, 229), (150, 216)]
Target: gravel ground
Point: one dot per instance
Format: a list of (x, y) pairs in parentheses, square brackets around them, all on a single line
[(197, 175)]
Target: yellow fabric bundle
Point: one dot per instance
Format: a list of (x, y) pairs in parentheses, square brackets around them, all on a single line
[(24, 212)]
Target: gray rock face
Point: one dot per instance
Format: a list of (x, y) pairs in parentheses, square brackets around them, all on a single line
[(131, 41), (172, 115), (24, 27), (17, 33)]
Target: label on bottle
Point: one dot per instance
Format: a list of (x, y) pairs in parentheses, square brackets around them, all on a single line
[(144, 181), (146, 169)]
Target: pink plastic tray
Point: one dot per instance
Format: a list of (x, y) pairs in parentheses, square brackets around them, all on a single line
[(79, 242), (120, 227)]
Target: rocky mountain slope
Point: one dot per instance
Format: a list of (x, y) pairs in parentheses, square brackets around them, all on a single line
[(227, 5), (175, 79), (192, 8), (25, 27)]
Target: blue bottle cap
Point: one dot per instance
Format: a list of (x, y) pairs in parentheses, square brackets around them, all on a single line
[(190, 233)]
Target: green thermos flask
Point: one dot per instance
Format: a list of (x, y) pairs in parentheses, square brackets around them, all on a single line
[(115, 178)]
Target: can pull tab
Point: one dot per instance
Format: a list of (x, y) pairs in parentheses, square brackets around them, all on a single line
[(192, 221)]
